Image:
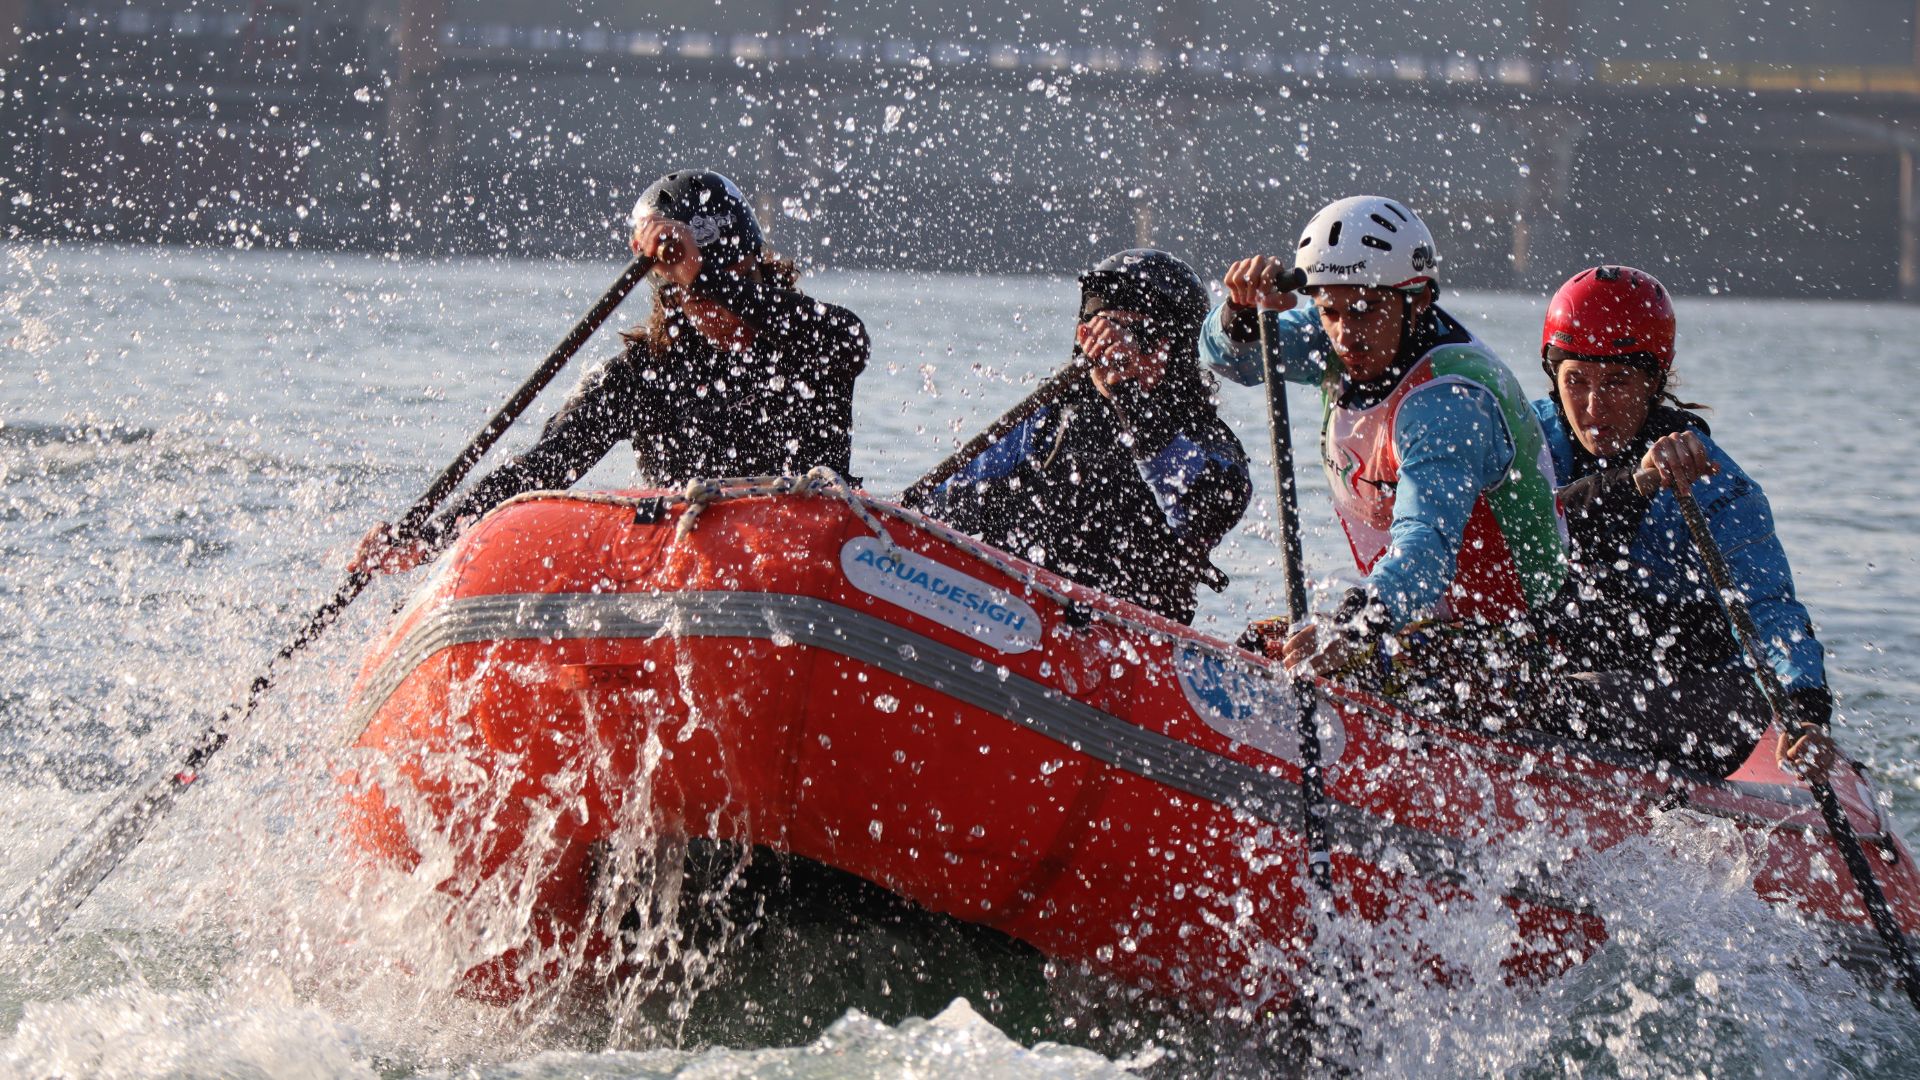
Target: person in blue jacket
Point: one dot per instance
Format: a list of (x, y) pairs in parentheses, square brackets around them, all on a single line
[(1652, 665), (1127, 482), (1438, 468)]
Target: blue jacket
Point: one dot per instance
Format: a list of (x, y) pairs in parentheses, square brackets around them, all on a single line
[(1667, 567), (1128, 496), (1452, 446)]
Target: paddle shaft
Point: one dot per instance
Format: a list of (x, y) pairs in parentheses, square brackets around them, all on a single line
[(1306, 701), (457, 470), (1830, 809), (93, 855), (1043, 395)]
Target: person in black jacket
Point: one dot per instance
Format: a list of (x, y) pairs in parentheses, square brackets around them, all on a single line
[(1127, 482), (735, 373)]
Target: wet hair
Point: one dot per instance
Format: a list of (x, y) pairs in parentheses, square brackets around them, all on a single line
[(665, 323), (1189, 383), (1665, 393)]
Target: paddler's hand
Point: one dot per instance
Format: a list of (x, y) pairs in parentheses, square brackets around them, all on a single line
[(1109, 344), (379, 552), (1267, 637), (1805, 744), (1807, 750), (1315, 651), (670, 244), (1252, 284), (1674, 461)]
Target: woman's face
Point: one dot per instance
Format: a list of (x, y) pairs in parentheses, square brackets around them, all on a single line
[(1606, 404)]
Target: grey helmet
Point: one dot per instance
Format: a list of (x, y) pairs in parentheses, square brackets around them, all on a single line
[(710, 205)]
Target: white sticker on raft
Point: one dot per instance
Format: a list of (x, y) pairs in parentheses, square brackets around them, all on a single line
[(1241, 703), (941, 593)]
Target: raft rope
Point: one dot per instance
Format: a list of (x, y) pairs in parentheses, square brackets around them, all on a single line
[(822, 481)]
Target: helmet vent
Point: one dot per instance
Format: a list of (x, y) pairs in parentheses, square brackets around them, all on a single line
[(1376, 243), (1305, 240), (1384, 223), (1397, 212), (1333, 234)]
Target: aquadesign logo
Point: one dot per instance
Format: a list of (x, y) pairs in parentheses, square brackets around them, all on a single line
[(1238, 701), (955, 600)]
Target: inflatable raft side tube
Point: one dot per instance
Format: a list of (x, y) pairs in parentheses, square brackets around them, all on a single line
[(870, 640)]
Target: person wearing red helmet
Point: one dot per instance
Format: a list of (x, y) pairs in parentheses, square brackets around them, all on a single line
[(1653, 667)]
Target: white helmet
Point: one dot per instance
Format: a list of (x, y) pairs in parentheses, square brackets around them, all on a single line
[(1366, 240)]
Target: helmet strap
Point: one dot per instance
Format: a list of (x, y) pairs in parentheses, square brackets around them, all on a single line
[(1406, 328)]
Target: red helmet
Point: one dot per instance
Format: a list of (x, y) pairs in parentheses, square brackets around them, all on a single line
[(1608, 311)]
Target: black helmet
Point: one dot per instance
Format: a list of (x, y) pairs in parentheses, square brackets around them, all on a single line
[(1151, 282), (710, 205)]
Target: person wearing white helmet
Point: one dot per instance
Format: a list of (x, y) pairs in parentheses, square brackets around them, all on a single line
[(1440, 474)]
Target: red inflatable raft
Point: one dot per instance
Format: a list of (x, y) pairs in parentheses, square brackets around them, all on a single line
[(794, 665)]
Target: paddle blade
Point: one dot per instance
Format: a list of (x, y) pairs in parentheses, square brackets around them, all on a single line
[(51, 900)]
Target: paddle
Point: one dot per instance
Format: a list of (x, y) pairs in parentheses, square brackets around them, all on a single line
[(1830, 809), (1043, 395), (59, 891), (1306, 701)]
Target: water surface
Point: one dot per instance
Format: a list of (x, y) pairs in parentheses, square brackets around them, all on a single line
[(191, 441)]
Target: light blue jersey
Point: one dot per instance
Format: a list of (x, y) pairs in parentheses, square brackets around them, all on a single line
[(1452, 442)]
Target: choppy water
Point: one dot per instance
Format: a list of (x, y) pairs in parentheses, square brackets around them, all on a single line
[(191, 441)]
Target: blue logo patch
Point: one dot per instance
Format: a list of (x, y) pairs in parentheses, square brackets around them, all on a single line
[(1249, 706)]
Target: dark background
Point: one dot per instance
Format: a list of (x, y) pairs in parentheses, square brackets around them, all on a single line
[(1757, 148)]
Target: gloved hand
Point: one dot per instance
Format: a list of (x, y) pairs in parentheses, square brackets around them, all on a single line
[(1362, 618)]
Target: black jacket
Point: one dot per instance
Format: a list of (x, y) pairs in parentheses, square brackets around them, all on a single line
[(784, 404), (1127, 496)]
